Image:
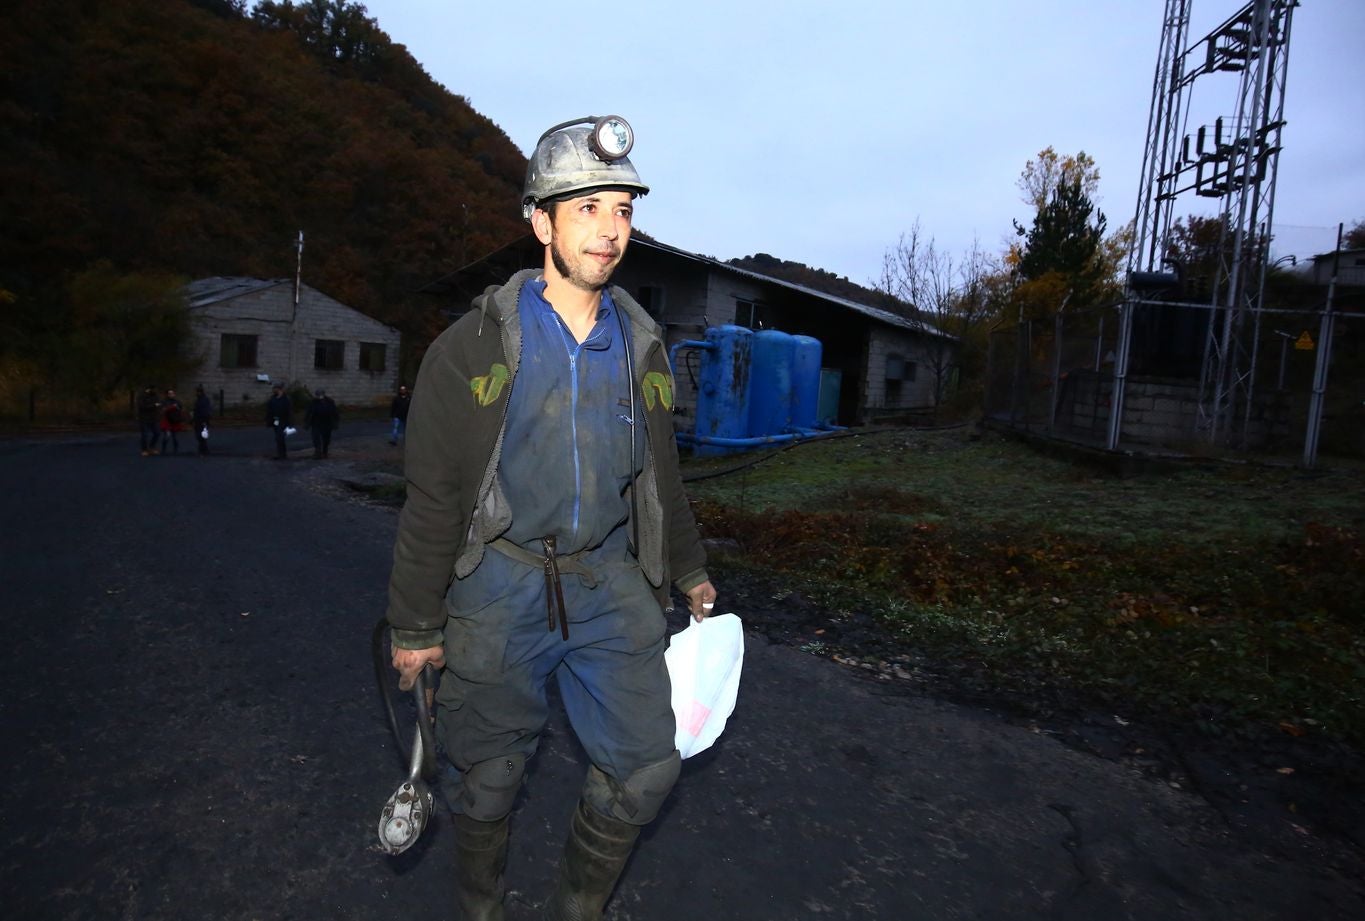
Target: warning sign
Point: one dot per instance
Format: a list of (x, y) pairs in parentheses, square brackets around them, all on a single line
[(1304, 343)]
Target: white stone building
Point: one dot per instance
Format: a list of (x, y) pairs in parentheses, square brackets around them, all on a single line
[(251, 334)]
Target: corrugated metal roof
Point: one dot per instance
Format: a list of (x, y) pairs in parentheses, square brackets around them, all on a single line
[(212, 290), (875, 313), (867, 310)]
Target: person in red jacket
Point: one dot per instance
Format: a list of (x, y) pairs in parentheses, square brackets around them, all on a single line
[(172, 422)]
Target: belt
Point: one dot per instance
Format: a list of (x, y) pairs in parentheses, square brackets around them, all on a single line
[(553, 565)]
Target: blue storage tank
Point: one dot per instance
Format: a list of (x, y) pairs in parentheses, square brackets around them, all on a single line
[(723, 384), (770, 388), (806, 355)]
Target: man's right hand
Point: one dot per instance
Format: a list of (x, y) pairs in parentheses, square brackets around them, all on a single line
[(410, 662)]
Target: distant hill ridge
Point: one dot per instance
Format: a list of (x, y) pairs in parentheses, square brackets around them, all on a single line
[(820, 280), (186, 136)]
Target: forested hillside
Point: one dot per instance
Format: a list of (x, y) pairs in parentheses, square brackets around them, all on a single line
[(799, 273), (191, 138)]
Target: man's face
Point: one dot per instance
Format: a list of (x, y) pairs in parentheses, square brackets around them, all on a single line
[(587, 236)]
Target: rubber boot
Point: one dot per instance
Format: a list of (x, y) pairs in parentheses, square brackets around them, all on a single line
[(480, 858), (594, 856)]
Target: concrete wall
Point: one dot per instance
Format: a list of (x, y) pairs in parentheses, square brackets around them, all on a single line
[(285, 351), (879, 397), (1160, 411), (683, 315)]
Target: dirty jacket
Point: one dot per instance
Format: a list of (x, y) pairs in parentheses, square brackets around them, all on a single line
[(454, 503)]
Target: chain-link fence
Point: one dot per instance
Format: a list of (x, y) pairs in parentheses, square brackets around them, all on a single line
[(1057, 377), (1051, 376)]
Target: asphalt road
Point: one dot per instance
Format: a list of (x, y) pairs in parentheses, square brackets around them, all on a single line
[(190, 730)]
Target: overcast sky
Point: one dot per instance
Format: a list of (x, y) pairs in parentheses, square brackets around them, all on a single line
[(820, 131)]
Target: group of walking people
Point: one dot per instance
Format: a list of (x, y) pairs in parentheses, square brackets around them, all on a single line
[(162, 418), (321, 418)]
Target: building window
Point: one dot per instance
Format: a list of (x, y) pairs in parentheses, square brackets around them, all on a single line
[(651, 297), (898, 368), (752, 314), (329, 354), (372, 356), (237, 351)]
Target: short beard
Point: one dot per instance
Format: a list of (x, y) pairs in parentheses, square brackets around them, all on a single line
[(565, 272)]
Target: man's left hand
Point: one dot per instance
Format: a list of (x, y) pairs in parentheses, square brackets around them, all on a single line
[(701, 600)]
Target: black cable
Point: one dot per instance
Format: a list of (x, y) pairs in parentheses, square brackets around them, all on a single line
[(630, 383), (425, 680), (382, 668)]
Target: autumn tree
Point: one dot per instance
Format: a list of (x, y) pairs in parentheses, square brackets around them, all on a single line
[(1065, 257), (1042, 176), (103, 335), (1355, 237), (334, 29), (948, 294), (1196, 249)]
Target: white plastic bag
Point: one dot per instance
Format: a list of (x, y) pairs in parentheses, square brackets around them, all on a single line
[(704, 663), (289, 430)]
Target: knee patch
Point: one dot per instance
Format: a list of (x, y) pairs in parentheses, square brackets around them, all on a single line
[(638, 798), (489, 788)]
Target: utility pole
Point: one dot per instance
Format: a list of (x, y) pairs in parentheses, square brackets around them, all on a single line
[(1325, 330), (294, 313), (298, 279)]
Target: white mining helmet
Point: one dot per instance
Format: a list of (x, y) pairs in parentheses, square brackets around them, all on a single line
[(578, 155)]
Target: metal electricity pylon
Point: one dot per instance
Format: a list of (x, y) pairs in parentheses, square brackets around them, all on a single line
[(1233, 159)]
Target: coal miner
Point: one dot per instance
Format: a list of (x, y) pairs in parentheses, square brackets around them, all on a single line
[(545, 522)]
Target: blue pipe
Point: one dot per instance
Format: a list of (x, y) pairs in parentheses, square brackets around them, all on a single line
[(689, 438), (677, 347)]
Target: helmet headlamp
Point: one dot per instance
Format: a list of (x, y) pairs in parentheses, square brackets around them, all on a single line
[(580, 154), (612, 137)]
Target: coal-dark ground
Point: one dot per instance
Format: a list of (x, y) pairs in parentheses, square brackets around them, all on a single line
[(190, 729)]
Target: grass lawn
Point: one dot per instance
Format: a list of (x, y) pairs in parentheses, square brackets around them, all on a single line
[(1231, 596)]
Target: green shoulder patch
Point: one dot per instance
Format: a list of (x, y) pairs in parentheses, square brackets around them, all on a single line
[(487, 387), (658, 387)]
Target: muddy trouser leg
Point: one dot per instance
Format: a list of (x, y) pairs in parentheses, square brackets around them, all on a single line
[(491, 708), (489, 790), (616, 691), (600, 844)]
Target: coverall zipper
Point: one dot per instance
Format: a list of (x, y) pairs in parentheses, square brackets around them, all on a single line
[(574, 349)]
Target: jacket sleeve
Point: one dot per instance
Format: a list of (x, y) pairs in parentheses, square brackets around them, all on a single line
[(686, 555), (435, 515)]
